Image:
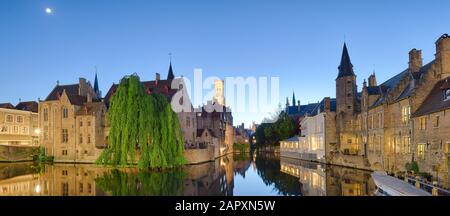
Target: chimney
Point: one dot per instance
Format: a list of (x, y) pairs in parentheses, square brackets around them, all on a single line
[(373, 80), (327, 104), (157, 78), (89, 98), (443, 55), (82, 87), (415, 60), (298, 102)]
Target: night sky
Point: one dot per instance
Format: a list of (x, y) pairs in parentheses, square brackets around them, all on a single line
[(298, 41)]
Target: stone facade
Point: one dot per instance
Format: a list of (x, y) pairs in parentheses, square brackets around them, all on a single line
[(19, 125), (72, 120), (376, 125)]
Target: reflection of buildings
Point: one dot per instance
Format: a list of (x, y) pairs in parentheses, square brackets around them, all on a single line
[(317, 180), (207, 179), (210, 179), (58, 180), (311, 175)]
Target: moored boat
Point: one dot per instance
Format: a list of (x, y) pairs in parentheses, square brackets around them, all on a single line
[(391, 186)]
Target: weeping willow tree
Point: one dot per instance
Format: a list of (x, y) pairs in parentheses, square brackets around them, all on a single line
[(143, 125)]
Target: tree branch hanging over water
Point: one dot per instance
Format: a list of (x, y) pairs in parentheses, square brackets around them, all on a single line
[(143, 125)]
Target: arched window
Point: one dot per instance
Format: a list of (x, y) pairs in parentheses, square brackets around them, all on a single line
[(65, 112)]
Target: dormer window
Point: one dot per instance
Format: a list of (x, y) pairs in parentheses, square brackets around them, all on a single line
[(447, 94)]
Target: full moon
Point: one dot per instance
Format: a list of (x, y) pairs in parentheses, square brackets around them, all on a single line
[(48, 10)]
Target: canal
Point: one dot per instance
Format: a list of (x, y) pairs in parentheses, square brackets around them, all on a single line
[(232, 175)]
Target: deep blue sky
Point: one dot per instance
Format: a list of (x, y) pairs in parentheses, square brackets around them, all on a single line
[(298, 41)]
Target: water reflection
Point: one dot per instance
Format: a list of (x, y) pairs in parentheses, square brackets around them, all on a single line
[(242, 174), (323, 180)]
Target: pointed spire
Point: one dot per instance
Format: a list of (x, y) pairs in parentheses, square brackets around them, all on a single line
[(293, 98), (170, 75), (96, 83), (96, 87), (346, 67)]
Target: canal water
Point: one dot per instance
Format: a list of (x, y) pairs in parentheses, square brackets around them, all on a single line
[(232, 175)]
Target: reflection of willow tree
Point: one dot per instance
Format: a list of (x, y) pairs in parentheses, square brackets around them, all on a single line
[(269, 171), (120, 183), (145, 123)]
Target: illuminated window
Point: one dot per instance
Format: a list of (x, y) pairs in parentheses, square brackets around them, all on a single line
[(19, 119), (3, 129), (46, 114), (423, 123), (45, 132), (25, 130), (436, 121), (65, 112), (406, 145), (421, 151), (9, 118), (406, 113), (65, 136), (65, 189)]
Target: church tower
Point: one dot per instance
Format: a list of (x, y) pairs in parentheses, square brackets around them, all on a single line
[(346, 104), (219, 96), (346, 89)]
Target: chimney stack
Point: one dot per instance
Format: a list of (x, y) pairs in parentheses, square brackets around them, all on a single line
[(443, 55), (373, 80), (415, 60), (158, 76), (89, 98), (327, 104)]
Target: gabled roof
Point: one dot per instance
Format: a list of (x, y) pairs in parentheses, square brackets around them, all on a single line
[(435, 102), (58, 90), (158, 87), (201, 131), (320, 107), (6, 106), (346, 67), (31, 106), (89, 108), (304, 109), (373, 90)]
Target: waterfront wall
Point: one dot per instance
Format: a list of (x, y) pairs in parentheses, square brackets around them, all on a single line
[(195, 156), (17, 153)]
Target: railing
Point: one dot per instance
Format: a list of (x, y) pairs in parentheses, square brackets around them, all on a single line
[(432, 188)]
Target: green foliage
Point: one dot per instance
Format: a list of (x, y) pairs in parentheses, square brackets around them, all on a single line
[(270, 134), (120, 183), (144, 124), (413, 166), (241, 147), (43, 158)]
